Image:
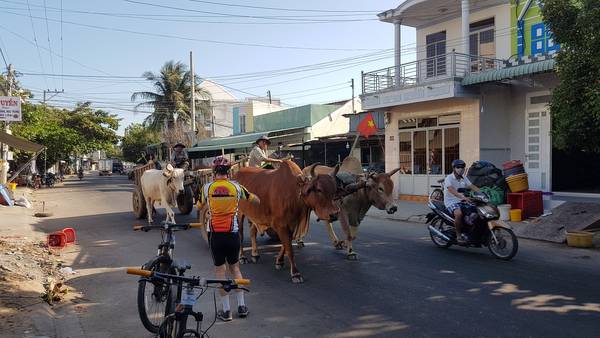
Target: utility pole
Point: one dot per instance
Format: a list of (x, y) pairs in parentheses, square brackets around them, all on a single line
[(55, 92), (269, 95), (4, 147), (352, 85), (193, 98)]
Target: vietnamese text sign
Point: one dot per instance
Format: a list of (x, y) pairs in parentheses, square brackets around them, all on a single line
[(10, 108)]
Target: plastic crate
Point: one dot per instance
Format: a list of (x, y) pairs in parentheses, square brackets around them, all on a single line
[(530, 202), (70, 235), (57, 240)]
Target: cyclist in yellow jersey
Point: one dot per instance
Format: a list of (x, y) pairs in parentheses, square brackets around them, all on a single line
[(222, 197)]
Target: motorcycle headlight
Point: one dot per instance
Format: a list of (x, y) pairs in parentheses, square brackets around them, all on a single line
[(487, 211)]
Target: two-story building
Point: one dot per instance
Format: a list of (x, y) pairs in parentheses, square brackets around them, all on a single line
[(478, 89)]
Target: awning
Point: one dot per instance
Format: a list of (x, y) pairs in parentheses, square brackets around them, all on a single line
[(509, 72), (240, 141), (19, 143)]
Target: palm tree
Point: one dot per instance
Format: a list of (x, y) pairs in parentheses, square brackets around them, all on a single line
[(171, 98)]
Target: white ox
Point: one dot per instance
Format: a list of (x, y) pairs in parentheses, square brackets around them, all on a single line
[(162, 186)]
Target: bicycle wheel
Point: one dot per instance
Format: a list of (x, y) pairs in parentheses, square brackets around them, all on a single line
[(173, 328), (153, 300)]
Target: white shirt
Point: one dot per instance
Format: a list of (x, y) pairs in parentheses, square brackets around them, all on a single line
[(452, 181), (257, 156)]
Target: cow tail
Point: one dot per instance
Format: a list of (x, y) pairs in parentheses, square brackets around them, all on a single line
[(302, 228)]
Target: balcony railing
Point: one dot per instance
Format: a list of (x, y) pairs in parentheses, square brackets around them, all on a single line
[(452, 65)]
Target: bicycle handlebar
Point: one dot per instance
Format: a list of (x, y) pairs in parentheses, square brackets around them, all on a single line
[(193, 280), (168, 226)]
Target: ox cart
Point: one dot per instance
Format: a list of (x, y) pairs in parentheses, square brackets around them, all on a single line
[(194, 180), (185, 200)]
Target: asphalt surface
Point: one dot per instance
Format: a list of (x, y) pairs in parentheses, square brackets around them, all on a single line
[(401, 285)]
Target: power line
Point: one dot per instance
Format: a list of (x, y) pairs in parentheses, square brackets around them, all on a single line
[(203, 40), (286, 9), (62, 52), (229, 15), (36, 43), (3, 58), (48, 36)]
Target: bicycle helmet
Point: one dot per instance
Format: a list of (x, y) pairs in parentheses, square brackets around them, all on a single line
[(220, 162), (458, 163)]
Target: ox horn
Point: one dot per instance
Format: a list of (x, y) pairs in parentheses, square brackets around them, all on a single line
[(391, 173), (335, 170), (312, 169)]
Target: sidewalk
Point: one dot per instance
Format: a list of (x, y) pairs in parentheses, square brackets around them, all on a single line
[(26, 266), (407, 212)]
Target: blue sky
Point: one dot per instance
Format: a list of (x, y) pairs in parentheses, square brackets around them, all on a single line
[(117, 57)]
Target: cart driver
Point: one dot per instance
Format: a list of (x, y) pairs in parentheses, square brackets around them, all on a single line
[(179, 157)]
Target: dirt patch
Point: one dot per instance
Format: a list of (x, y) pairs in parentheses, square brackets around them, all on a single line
[(28, 269)]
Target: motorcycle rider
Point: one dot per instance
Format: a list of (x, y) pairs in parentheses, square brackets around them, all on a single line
[(456, 201)]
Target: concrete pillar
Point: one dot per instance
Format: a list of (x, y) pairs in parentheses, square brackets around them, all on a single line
[(398, 52), (465, 26)]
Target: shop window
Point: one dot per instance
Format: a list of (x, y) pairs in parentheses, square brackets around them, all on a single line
[(428, 122), (407, 124), (445, 120), (434, 159), (451, 148), (420, 152), (405, 149)]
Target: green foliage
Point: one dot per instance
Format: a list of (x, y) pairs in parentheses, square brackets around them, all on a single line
[(171, 96), (65, 132), (575, 104), (135, 140)]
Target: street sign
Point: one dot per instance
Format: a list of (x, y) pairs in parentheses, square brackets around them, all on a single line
[(10, 108)]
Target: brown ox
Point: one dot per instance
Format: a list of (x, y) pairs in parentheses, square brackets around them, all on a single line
[(377, 191), (286, 200)]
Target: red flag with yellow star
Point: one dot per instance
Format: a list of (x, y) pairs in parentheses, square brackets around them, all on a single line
[(367, 126)]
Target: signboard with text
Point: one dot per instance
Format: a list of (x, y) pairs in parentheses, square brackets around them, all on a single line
[(531, 36), (10, 108)]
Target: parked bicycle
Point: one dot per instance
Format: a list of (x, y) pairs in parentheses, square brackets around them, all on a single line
[(437, 194), (187, 291), (153, 295)]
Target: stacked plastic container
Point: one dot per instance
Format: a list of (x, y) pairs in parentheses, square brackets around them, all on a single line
[(515, 176)]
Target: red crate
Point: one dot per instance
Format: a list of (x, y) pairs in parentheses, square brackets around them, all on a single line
[(70, 235), (57, 240), (531, 203)]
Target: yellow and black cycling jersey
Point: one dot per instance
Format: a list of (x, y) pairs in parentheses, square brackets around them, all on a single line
[(223, 197)]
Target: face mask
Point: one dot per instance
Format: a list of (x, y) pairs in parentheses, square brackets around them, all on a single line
[(459, 171)]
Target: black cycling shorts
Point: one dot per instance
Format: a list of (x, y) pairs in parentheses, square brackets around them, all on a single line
[(225, 246)]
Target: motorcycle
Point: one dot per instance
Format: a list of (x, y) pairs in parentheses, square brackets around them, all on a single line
[(48, 180), (80, 175), (481, 224)]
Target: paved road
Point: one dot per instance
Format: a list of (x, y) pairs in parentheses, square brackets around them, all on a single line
[(400, 286)]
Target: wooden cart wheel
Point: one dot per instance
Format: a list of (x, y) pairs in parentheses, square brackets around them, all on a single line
[(185, 201), (139, 204)]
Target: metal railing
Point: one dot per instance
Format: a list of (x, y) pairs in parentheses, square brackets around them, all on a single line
[(451, 65)]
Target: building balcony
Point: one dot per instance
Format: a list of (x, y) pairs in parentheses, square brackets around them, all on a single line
[(426, 79)]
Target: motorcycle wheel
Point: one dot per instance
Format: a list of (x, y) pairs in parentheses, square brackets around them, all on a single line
[(505, 246), (439, 224)]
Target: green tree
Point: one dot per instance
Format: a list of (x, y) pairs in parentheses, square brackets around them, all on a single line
[(135, 140), (17, 90), (171, 97), (575, 104), (67, 132)]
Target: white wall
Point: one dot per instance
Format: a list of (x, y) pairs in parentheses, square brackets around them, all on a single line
[(223, 115), (469, 138), (335, 123), (453, 30), (495, 116)]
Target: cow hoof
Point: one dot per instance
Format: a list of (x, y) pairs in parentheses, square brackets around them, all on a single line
[(279, 266), (300, 244), (244, 260), (254, 259), (352, 256), (339, 245), (297, 278)]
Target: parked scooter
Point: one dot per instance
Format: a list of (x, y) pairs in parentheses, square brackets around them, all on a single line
[(481, 224), (49, 179), (80, 174)]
